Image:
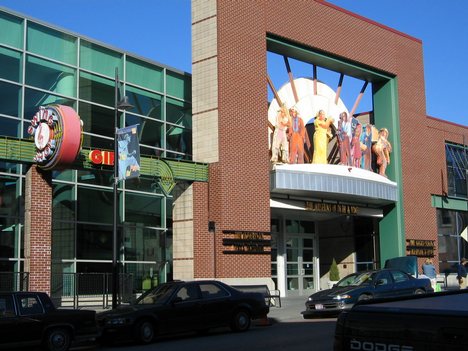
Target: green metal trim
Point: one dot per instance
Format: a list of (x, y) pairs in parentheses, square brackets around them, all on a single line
[(448, 203), (14, 149), (392, 226), (23, 151), (326, 60)]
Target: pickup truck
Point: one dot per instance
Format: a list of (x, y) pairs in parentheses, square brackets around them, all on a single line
[(30, 319), (427, 322)]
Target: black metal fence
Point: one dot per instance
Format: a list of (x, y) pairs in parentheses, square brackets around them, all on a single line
[(79, 290), (14, 281)]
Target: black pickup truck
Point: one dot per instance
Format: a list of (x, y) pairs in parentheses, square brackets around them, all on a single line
[(30, 319), (427, 322)]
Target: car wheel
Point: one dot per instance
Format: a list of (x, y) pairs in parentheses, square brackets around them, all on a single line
[(57, 339), (419, 291), (144, 332), (364, 297), (240, 321)]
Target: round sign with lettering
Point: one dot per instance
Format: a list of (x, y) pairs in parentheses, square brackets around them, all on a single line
[(57, 131)]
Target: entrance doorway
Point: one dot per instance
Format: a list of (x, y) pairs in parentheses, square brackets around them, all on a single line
[(301, 264)]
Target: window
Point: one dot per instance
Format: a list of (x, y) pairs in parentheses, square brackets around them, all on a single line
[(50, 76), (457, 168), (10, 65), (399, 276), (452, 239), (12, 30), (99, 59), (10, 96), (30, 305), (188, 293), (145, 75), (6, 307), (50, 43), (210, 290)]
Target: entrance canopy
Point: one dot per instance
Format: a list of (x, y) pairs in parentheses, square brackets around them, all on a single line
[(333, 182)]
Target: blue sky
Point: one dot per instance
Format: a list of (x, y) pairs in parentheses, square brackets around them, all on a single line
[(166, 24)]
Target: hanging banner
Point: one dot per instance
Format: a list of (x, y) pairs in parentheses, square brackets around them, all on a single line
[(129, 152)]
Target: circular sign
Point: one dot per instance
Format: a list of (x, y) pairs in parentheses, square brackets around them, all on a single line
[(57, 131)]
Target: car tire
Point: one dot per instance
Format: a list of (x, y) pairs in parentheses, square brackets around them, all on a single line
[(240, 321), (57, 339), (364, 297), (144, 332), (419, 291)]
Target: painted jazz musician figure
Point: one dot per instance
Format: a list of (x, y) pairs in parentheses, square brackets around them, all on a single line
[(280, 144), (297, 137), (382, 149), (321, 125)]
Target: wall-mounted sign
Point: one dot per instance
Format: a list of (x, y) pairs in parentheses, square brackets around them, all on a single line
[(101, 157), (57, 136), (328, 208), (247, 242), (420, 248)]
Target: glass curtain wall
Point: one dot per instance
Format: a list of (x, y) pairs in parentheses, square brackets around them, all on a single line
[(41, 65)]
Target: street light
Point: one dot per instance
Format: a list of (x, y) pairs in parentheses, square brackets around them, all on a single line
[(122, 105)]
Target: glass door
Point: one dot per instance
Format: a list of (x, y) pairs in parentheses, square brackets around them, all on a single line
[(300, 264)]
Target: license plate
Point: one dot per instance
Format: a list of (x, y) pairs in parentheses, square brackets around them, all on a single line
[(319, 307)]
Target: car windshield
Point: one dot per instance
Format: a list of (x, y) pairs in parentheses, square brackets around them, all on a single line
[(158, 295), (356, 279)]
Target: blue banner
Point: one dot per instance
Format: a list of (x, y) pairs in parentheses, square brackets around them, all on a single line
[(129, 152)]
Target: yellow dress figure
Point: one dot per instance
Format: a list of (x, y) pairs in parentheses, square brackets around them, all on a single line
[(321, 125)]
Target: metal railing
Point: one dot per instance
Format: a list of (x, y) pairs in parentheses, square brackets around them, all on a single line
[(14, 281), (79, 290)]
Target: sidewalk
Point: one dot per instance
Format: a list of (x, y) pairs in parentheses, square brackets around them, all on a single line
[(291, 308)]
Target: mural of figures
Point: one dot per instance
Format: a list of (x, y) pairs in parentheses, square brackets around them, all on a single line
[(297, 137), (382, 149), (356, 146), (366, 144), (321, 125), (280, 146), (344, 138)]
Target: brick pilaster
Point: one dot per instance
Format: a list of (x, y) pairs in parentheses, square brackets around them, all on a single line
[(38, 228)]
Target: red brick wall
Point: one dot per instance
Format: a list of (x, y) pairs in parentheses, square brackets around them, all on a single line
[(38, 228)]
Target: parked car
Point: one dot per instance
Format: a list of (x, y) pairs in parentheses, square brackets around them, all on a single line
[(180, 306), (364, 286), (423, 322), (31, 319)]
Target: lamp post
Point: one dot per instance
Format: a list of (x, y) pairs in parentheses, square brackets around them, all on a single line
[(123, 105)]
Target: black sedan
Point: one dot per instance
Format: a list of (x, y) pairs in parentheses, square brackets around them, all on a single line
[(183, 306), (29, 319), (364, 286)]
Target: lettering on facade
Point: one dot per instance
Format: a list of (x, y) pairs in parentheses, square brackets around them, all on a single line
[(420, 248), (246, 242), (336, 208)]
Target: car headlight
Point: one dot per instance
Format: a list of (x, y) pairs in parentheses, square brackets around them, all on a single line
[(342, 297), (116, 321), (309, 299)]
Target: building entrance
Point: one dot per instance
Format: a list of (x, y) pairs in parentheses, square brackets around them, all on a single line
[(301, 264), (295, 256)]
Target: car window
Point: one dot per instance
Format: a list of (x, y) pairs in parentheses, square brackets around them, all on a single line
[(160, 294), (383, 278), (210, 290), (29, 305), (399, 276), (6, 307), (188, 292), (348, 280)]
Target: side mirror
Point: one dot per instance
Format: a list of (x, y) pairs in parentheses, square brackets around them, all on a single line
[(380, 282)]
